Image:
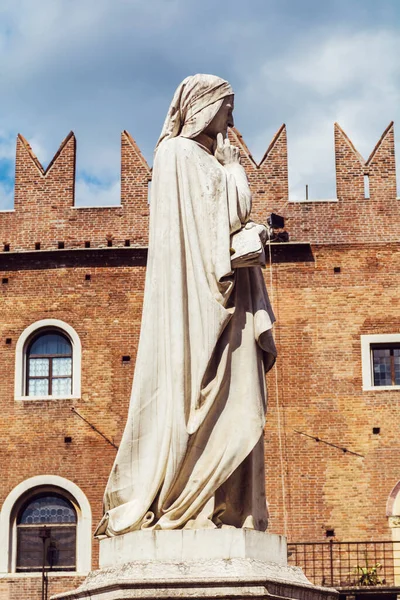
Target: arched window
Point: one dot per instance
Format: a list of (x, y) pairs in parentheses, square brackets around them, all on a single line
[(49, 364), (16, 509), (46, 532)]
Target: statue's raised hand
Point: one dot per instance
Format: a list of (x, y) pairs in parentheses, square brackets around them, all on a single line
[(224, 152)]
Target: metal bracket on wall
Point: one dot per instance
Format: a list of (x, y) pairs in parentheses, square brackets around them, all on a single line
[(317, 439), (73, 409)]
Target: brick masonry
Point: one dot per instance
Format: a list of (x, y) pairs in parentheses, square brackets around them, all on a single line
[(316, 386)]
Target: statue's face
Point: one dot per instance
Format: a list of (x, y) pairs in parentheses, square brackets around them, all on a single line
[(223, 119)]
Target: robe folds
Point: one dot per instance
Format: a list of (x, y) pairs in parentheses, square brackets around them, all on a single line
[(191, 455)]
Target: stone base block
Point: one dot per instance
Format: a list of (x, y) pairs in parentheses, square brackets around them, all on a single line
[(206, 564), (192, 545)]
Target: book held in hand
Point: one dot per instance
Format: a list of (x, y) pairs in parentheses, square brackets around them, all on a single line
[(247, 247)]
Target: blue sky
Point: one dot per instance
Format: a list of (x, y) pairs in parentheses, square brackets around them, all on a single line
[(100, 66)]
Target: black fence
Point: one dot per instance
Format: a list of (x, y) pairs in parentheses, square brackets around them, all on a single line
[(348, 564)]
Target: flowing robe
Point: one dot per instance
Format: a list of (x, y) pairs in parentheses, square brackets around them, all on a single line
[(192, 454)]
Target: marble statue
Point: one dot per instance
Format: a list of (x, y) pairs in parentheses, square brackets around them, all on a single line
[(192, 454)]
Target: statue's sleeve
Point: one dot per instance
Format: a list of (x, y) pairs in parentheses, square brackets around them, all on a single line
[(239, 196)]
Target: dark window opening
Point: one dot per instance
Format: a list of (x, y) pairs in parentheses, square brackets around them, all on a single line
[(58, 515), (330, 533), (37, 246), (6, 247), (386, 364), (61, 245), (49, 365), (87, 244)]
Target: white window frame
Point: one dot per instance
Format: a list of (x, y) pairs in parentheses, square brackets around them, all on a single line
[(9, 512), (20, 359), (367, 363)]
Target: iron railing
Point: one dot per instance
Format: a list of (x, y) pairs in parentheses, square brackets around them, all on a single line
[(348, 564)]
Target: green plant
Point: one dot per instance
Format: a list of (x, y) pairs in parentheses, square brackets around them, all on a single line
[(368, 575)]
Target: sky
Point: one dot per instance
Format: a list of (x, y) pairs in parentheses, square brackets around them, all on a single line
[(100, 66)]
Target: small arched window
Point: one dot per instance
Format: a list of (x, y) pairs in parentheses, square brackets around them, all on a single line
[(48, 357), (49, 364), (46, 531)]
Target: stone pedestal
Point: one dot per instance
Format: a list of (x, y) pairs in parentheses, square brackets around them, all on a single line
[(206, 563)]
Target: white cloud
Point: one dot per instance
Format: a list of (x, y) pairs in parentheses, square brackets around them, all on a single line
[(6, 196), (7, 146), (80, 65), (347, 61), (350, 78), (94, 194), (40, 149), (100, 66)]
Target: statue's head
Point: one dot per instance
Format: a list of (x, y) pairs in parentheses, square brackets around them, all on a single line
[(222, 120), (201, 103)]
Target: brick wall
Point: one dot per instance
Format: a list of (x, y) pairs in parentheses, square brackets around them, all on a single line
[(27, 588), (105, 312), (44, 210), (316, 386), (321, 316)]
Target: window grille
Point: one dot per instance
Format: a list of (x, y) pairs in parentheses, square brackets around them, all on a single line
[(385, 359), (58, 515), (49, 365)]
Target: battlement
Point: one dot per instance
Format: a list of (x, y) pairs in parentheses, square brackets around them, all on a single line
[(45, 217), (366, 207)]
